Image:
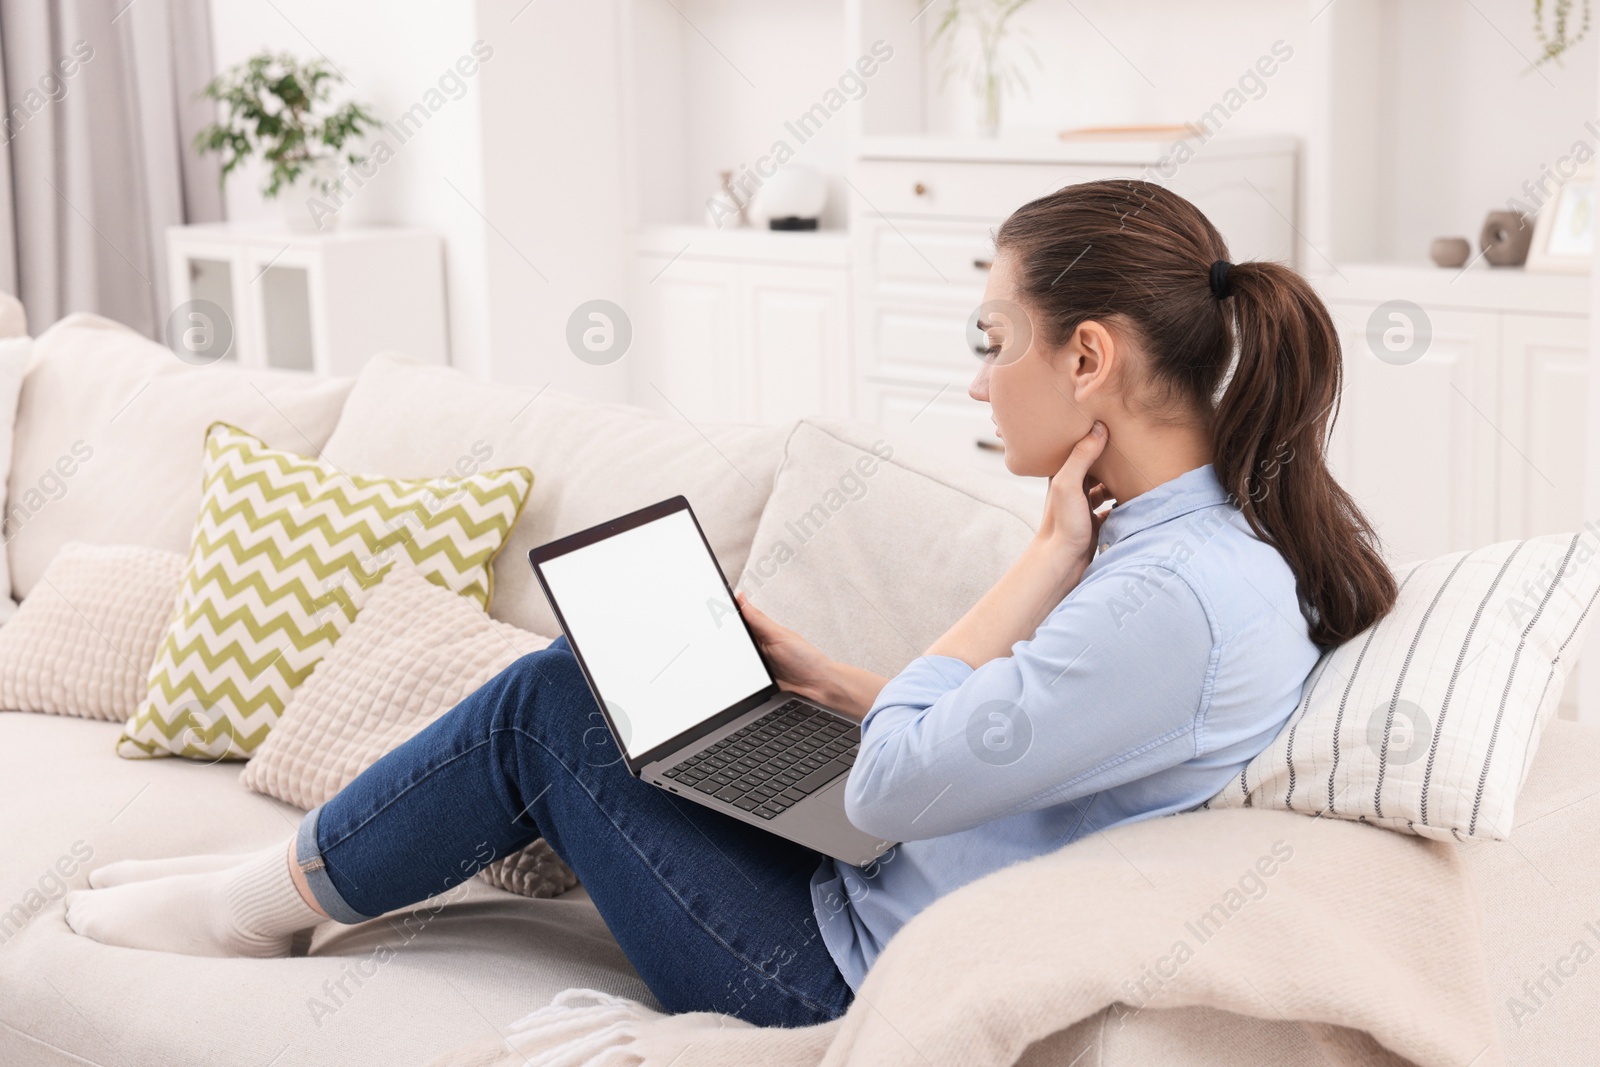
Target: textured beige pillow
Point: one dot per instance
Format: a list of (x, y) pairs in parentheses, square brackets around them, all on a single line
[(83, 641), (872, 551), (414, 651)]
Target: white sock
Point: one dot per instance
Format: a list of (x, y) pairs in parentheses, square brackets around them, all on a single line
[(250, 908), (124, 871)]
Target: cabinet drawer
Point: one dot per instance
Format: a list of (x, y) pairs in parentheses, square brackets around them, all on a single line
[(940, 188), (916, 341), (942, 422), (935, 257)]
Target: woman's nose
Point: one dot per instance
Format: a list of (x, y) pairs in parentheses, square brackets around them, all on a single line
[(979, 389)]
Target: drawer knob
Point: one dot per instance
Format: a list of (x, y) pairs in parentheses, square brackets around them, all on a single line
[(989, 446), (983, 264), (920, 189)]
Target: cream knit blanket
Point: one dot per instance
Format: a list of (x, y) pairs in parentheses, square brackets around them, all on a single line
[(1364, 939)]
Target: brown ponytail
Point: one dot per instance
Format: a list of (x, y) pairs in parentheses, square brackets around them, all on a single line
[(1138, 257)]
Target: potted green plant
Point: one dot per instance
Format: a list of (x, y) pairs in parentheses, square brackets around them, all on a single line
[(283, 110), (991, 71)]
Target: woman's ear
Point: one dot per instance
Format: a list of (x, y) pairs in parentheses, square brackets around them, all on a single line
[(1093, 359)]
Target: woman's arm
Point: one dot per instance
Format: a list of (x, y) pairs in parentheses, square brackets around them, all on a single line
[(1109, 690), (1009, 612), (1044, 574)]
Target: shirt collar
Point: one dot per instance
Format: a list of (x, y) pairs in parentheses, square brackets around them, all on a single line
[(1172, 499)]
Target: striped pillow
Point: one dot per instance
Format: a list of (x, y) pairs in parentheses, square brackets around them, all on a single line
[(1427, 721), (284, 553)]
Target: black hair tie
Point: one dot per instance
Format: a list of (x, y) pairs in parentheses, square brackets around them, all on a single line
[(1219, 279)]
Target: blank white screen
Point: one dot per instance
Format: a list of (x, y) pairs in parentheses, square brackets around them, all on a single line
[(649, 612)]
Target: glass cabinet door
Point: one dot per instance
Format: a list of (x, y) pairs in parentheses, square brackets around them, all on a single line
[(286, 317), (212, 279)]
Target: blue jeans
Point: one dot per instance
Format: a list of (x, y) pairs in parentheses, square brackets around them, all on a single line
[(713, 914)]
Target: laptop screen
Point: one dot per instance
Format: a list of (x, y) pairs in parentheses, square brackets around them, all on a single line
[(649, 613)]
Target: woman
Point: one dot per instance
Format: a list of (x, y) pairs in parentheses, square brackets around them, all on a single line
[(1126, 665)]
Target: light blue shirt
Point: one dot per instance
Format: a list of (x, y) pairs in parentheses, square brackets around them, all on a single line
[(1177, 659)]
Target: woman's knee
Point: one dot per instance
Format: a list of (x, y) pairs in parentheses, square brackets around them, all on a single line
[(547, 697)]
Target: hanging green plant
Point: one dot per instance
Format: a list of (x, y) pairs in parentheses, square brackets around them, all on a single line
[(1555, 41), (282, 109)]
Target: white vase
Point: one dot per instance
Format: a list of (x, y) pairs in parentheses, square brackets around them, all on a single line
[(989, 104)]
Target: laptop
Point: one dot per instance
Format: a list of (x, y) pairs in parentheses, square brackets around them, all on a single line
[(685, 690)]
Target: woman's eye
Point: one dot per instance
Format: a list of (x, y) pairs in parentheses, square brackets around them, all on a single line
[(991, 352)]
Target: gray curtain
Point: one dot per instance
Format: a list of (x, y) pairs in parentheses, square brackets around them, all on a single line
[(97, 113)]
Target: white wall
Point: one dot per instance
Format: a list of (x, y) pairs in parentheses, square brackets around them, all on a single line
[(553, 185), (519, 169), (392, 54), (750, 66), (1108, 62), (1431, 116), (1464, 120)]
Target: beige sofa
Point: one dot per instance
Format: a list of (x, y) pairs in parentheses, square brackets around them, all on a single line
[(918, 543)]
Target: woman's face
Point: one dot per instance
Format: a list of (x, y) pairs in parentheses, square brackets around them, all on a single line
[(1035, 395)]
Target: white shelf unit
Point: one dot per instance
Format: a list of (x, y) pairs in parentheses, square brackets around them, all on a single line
[(318, 302)]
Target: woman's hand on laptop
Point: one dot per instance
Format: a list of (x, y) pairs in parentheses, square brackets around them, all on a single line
[(802, 668)]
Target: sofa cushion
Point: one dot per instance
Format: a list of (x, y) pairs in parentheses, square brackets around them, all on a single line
[(83, 643), (871, 551), (400, 989), (1426, 721), (286, 550), (595, 461), (119, 463)]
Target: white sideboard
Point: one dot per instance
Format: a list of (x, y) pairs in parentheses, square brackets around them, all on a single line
[(323, 302)]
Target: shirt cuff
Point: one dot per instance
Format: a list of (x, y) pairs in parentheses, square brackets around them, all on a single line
[(923, 681)]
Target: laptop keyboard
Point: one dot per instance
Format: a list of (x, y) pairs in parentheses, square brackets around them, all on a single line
[(773, 763)]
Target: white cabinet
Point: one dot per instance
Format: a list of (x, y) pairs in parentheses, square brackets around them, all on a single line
[(322, 302), (741, 326), (795, 337), (1415, 443), (685, 340), (1482, 438), (1544, 382)]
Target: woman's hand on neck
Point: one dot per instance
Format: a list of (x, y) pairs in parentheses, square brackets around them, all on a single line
[(1142, 453)]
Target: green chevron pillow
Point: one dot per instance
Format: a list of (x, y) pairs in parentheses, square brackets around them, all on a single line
[(284, 553)]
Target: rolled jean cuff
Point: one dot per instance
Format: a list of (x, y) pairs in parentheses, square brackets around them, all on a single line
[(308, 857)]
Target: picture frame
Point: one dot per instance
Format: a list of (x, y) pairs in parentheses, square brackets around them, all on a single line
[(1564, 231)]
